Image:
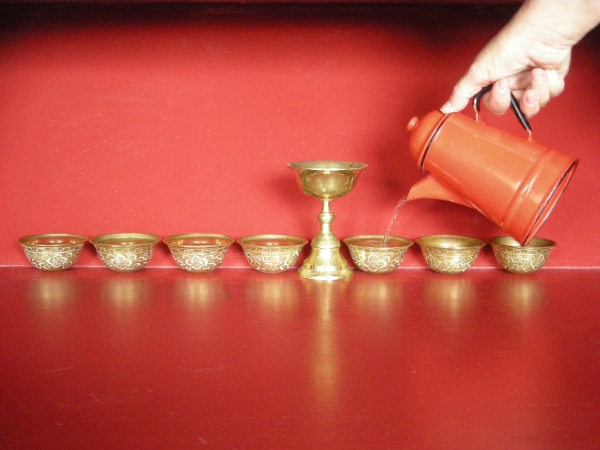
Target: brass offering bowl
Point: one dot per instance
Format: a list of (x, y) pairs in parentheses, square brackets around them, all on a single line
[(372, 255), (53, 252), (272, 253), (449, 254), (198, 252), (514, 258), (125, 252)]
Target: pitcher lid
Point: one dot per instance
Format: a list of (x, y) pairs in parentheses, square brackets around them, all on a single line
[(423, 131)]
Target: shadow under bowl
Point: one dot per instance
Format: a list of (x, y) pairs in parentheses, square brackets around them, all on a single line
[(198, 252), (374, 253), (125, 252), (515, 258), (449, 254), (53, 252), (272, 253)]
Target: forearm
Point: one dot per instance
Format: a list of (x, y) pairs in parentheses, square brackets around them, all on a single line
[(569, 20)]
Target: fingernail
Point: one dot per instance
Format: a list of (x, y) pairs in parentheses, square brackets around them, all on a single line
[(532, 98), (502, 85), (537, 77)]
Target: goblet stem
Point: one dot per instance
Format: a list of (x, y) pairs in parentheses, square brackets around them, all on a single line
[(325, 261), (326, 238)]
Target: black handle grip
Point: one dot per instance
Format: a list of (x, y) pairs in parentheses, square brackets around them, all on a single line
[(514, 104)]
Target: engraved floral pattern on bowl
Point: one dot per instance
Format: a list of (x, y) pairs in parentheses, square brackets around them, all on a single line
[(125, 252), (199, 259), (53, 252), (272, 253), (198, 252), (53, 258), (126, 260), (450, 254), (376, 253), (522, 260)]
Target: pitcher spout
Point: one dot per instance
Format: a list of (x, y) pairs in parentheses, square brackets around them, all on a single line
[(430, 188)]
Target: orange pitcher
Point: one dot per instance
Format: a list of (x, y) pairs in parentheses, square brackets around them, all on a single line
[(513, 181)]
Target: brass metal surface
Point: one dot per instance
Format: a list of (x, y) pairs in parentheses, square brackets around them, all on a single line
[(326, 180), (515, 258), (125, 252), (272, 253), (449, 254), (372, 255), (53, 252), (198, 252)]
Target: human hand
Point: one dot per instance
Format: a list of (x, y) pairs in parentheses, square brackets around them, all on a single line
[(530, 57), (507, 64)]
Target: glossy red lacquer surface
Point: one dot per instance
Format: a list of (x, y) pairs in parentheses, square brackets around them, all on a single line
[(513, 181), (237, 359), (181, 118)]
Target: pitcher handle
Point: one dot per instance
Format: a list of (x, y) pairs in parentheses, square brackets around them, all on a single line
[(514, 104)]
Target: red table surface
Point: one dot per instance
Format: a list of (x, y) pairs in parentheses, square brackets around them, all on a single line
[(235, 359)]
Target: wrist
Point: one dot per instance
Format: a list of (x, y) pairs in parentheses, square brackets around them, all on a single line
[(571, 20)]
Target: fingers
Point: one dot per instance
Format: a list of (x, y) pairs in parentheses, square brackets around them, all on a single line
[(543, 85), (556, 83), (533, 88), (539, 82), (530, 102), (464, 90), (498, 99)]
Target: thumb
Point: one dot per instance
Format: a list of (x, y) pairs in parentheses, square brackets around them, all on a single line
[(464, 90)]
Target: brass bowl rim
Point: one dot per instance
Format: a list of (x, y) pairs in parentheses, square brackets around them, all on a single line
[(326, 165), (98, 241), (78, 237), (463, 242), (508, 243), (407, 242), (168, 241), (244, 241)]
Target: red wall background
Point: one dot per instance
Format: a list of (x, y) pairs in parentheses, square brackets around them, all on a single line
[(172, 118)]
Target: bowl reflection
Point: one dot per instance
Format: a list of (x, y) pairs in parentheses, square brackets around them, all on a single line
[(524, 297), (126, 292), (454, 297), (382, 299), (278, 297), (52, 292), (200, 292)]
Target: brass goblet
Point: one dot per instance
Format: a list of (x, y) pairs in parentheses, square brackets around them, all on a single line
[(326, 180)]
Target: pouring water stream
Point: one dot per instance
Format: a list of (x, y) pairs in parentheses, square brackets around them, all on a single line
[(397, 209)]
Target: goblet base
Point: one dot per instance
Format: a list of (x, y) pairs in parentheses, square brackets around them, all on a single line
[(325, 264)]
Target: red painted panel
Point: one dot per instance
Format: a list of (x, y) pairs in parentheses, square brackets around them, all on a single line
[(181, 118), (239, 359)]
